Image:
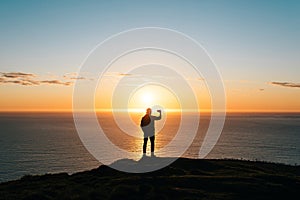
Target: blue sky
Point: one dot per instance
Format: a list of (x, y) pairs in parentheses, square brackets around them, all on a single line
[(249, 40), (242, 36)]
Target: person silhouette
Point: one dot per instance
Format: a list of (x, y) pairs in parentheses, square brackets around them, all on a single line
[(147, 125)]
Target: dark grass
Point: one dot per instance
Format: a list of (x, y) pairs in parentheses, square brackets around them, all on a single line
[(184, 179)]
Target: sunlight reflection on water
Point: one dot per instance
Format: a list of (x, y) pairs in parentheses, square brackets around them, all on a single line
[(38, 143)]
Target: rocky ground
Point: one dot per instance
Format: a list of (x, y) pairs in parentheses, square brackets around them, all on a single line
[(183, 179)]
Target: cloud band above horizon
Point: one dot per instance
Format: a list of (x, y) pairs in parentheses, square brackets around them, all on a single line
[(30, 79), (286, 84)]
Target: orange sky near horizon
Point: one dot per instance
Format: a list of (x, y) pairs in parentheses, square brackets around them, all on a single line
[(240, 98)]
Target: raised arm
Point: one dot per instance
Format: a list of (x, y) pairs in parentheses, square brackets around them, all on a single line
[(159, 117)]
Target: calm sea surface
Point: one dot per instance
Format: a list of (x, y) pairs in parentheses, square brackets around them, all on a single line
[(39, 143)]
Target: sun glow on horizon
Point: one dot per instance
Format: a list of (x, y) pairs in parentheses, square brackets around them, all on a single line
[(147, 98), (151, 95)]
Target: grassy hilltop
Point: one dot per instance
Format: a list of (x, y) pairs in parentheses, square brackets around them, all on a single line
[(183, 179)]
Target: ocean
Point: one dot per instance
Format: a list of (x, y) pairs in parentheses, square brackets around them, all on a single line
[(39, 143)]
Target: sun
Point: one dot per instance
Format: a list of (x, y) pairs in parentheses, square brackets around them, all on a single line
[(152, 95), (146, 97)]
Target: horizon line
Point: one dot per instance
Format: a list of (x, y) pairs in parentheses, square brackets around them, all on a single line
[(143, 110)]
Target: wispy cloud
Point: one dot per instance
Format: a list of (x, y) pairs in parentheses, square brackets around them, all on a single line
[(77, 78), (30, 79), (16, 75), (56, 82), (116, 74), (124, 74), (286, 84), (73, 76), (20, 82)]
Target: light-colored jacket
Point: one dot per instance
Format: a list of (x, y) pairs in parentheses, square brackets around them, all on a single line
[(149, 130)]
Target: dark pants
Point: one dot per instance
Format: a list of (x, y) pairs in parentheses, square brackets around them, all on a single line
[(145, 144)]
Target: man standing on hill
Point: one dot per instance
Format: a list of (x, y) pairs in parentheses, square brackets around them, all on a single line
[(147, 125)]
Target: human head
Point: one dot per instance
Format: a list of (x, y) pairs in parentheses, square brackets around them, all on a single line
[(149, 111)]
